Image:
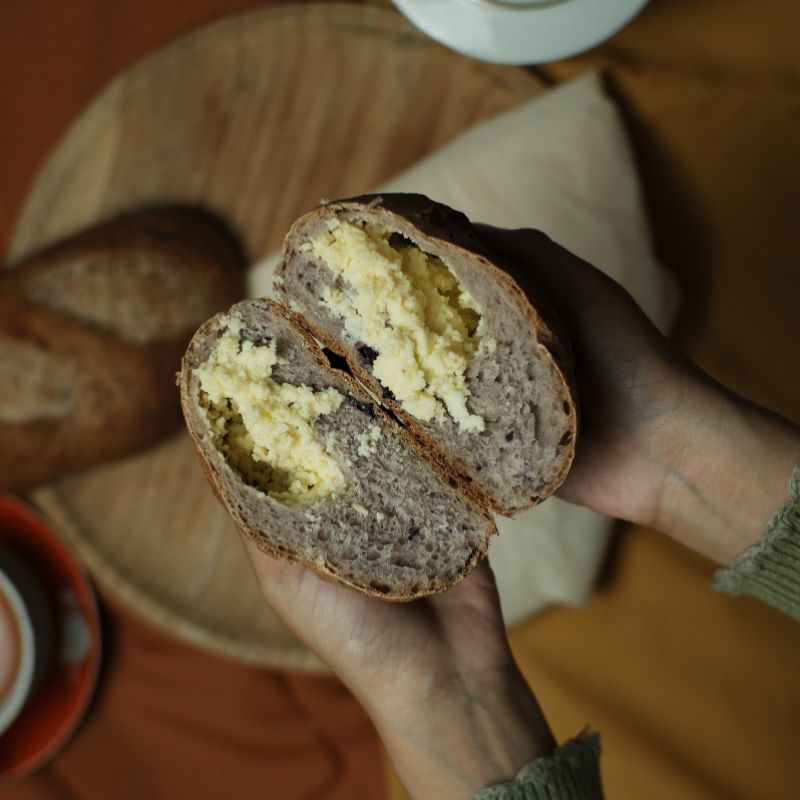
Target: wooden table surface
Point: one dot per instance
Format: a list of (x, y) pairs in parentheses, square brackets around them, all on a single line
[(254, 117)]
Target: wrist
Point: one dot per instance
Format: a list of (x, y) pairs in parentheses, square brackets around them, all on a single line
[(452, 738), (727, 465)]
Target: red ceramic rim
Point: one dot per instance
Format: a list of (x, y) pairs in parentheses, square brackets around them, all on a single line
[(51, 717)]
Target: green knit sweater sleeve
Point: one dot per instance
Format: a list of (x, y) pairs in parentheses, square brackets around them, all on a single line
[(572, 772), (770, 570)]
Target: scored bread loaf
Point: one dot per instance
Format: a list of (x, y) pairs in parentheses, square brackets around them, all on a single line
[(403, 288), (313, 470), (91, 333)]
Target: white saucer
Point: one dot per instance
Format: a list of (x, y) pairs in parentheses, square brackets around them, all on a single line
[(500, 33)]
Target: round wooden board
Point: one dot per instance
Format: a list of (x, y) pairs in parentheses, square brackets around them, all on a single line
[(256, 117)]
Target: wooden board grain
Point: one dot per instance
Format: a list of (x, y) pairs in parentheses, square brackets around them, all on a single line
[(256, 117)]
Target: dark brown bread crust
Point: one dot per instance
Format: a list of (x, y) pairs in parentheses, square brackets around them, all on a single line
[(444, 231), (229, 488), (120, 396)]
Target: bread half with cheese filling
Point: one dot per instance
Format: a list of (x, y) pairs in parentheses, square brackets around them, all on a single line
[(313, 470), (477, 370)]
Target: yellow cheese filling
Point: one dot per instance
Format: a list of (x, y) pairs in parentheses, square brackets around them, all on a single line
[(410, 309), (368, 442), (264, 428)]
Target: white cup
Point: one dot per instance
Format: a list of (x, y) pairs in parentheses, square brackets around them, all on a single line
[(26, 633), (520, 31), (519, 4)]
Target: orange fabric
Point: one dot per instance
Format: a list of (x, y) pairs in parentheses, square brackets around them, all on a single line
[(696, 693)]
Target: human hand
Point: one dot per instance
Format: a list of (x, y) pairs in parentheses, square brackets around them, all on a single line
[(630, 381), (660, 443), (436, 675)]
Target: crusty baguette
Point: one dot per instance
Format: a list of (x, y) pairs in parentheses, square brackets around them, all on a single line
[(522, 389), (91, 333), (396, 529)]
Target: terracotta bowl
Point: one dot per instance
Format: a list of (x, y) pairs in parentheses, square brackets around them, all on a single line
[(53, 607)]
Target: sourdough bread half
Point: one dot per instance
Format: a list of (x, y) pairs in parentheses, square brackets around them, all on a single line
[(92, 330), (480, 372), (312, 470)]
